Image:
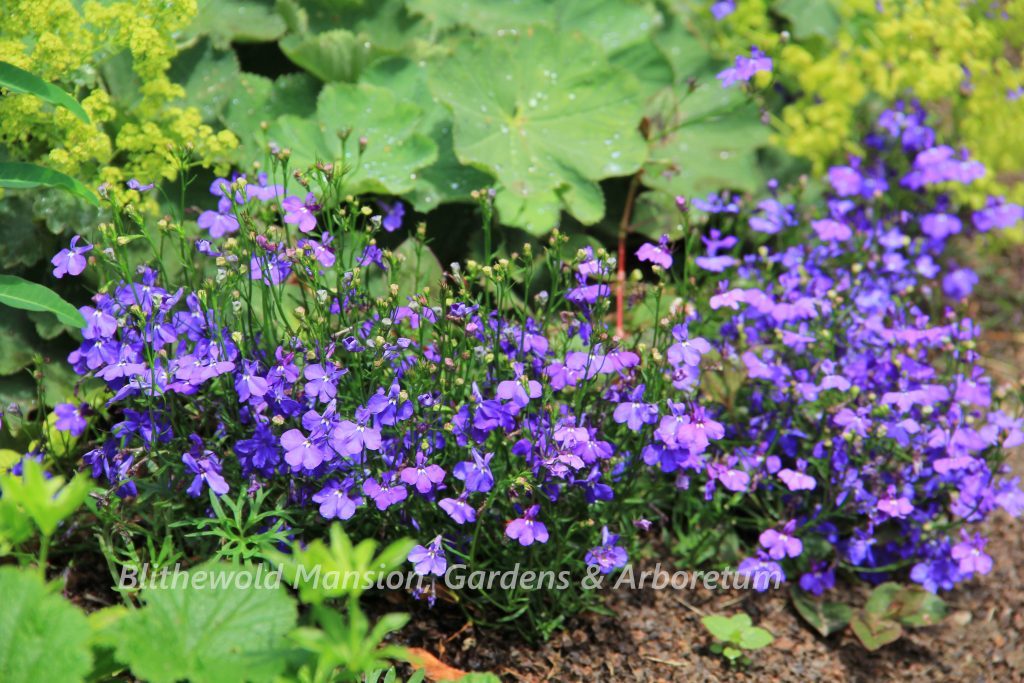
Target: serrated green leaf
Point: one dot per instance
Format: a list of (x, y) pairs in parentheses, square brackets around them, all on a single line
[(42, 636), (548, 116), (18, 292), (447, 179), (394, 152), (209, 76), (17, 175), (18, 80), (708, 141), (47, 501), (237, 21), (824, 617), (226, 634), (331, 56)]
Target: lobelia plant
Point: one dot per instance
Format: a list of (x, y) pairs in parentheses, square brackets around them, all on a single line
[(735, 634), (797, 378)]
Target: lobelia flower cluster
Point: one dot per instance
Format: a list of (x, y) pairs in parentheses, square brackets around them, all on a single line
[(811, 388)]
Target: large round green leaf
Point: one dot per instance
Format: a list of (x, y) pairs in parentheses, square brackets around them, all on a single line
[(394, 151), (447, 179), (217, 632), (705, 142), (42, 636), (548, 116)]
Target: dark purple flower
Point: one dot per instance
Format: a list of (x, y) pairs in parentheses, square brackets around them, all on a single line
[(394, 213), (608, 556), (206, 466), (70, 418), (476, 472)]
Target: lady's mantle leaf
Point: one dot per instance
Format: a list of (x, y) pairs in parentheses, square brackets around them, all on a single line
[(208, 635), (42, 636), (548, 116), (394, 150)]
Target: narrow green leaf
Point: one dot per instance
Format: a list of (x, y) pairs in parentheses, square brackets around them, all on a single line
[(17, 175), (18, 292), (20, 81)]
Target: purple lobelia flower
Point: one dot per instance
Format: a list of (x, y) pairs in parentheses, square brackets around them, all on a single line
[(301, 213), (248, 383), (744, 68), (422, 476), (220, 222), (458, 509), (722, 8), (206, 466), (970, 554), (394, 213), (390, 408), (763, 571), (476, 472), (70, 418), (821, 578), (659, 254), (335, 501), (301, 451), (350, 438), (70, 261), (634, 413), (429, 559), (608, 556), (321, 380), (894, 505), (386, 492), (781, 544), (520, 390), (134, 184), (527, 529)]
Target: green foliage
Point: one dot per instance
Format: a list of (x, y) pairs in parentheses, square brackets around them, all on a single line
[(217, 633), (42, 636), (735, 634), (541, 100), (366, 129), (306, 567), (18, 292), (17, 175), (890, 608), (824, 617), (544, 114), (20, 81), (46, 501), (242, 527)]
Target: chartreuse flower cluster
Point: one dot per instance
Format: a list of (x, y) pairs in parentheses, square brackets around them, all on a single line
[(811, 389), (957, 56), (135, 130)]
